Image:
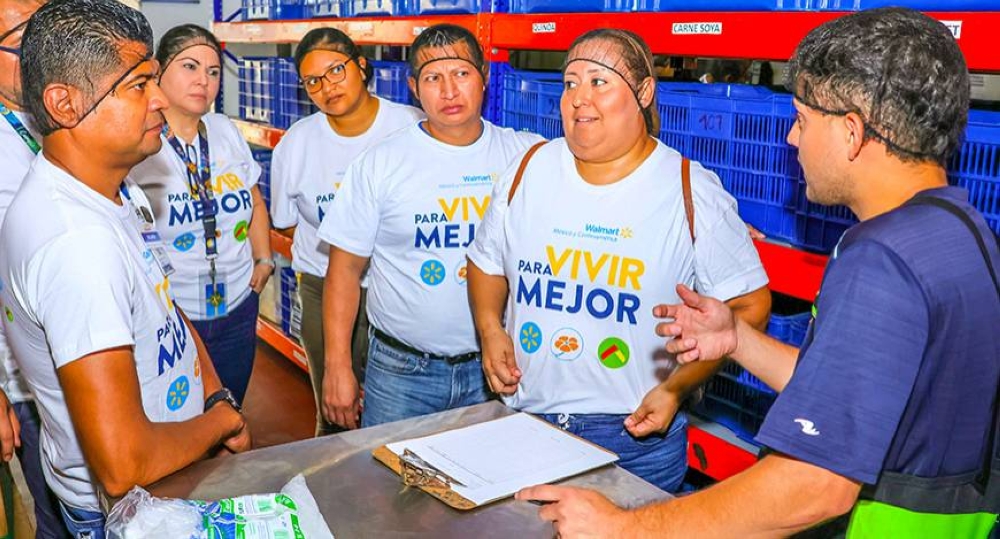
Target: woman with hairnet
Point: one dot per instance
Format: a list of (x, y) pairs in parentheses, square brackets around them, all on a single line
[(581, 242)]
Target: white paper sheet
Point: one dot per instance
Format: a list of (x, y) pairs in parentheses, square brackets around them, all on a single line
[(497, 458)]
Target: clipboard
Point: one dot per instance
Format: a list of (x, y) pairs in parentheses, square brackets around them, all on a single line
[(442, 488), (449, 497)]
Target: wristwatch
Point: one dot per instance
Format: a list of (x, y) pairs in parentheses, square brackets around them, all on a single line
[(269, 261), (223, 395)]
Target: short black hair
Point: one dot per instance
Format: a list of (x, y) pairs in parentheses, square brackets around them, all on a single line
[(76, 42), (443, 35), (331, 39), (181, 37), (899, 69)]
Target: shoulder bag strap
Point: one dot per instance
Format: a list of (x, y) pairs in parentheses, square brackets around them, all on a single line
[(520, 170), (688, 197), (984, 477)]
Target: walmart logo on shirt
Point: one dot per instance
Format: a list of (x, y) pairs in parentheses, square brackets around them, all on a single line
[(453, 227), (230, 196), (577, 280)]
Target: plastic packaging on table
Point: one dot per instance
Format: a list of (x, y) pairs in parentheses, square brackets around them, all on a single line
[(289, 514)]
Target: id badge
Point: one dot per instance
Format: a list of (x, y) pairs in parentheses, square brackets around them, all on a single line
[(154, 243), (214, 294)]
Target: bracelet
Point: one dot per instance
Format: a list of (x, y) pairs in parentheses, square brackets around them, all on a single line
[(269, 261)]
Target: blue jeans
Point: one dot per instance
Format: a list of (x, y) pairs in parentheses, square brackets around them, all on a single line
[(660, 459), (232, 344), (48, 520), (82, 524), (399, 385)]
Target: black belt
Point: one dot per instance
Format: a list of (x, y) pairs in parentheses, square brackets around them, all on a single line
[(403, 347)]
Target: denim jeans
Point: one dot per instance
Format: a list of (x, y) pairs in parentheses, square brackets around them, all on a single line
[(81, 523), (399, 385), (232, 344), (660, 459), (47, 518)]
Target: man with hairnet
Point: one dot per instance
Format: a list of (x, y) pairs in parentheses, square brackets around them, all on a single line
[(409, 207)]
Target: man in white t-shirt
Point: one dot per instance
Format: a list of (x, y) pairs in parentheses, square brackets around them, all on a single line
[(19, 419), (119, 375), (410, 205)]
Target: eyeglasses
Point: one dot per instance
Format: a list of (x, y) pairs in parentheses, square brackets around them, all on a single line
[(869, 131), (16, 51), (335, 74)]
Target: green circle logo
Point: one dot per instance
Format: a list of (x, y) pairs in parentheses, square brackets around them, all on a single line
[(240, 232), (10, 315), (613, 353)]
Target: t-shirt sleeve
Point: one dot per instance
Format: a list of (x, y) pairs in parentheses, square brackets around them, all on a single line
[(82, 294), (726, 262), (486, 251), (843, 404), (353, 220), (284, 212)]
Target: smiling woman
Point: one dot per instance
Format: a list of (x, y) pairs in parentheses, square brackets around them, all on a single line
[(209, 212), (566, 277)]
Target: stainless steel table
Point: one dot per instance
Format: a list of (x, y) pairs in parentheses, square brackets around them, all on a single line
[(359, 497)]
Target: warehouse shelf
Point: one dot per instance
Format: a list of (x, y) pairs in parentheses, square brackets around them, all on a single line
[(259, 134), (704, 34), (791, 271)]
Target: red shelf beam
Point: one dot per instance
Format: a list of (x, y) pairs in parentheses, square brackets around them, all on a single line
[(755, 35), (364, 31), (259, 134), (716, 457), (792, 272), (281, 244), (282, 343)]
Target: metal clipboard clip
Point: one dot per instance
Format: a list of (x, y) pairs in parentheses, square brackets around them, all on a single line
[(417, 472)]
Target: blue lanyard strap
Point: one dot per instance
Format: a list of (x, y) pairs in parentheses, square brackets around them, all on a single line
[(25, 135), (199, 176)]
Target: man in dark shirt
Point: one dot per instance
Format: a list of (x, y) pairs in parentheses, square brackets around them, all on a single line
[(894, 387)]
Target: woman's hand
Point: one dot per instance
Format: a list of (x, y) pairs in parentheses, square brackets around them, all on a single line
[(499, 362)]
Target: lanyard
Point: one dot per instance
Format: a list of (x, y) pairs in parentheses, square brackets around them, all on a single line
[(200, 186), (14, 122)]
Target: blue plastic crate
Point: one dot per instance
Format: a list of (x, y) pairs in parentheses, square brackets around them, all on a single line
[(263, 158), (724, 5), (530, 102), (257, 88), (292, 101), (976, 165), (571, 6), (272, 9), (926, 5), (452, 7), (733, 404), (374, 8), (315, 9), (739, 133), (389, 81)]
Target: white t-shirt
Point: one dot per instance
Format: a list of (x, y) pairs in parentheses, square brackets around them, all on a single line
[(163, 177), (82, 278), (307, 167), (15, 159), (412, 203), (586, 264)]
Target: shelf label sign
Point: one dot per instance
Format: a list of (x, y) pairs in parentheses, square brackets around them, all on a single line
[(543, 28), (696, 28), (955, 27)]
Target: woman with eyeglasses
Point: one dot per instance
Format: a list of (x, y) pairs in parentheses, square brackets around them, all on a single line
[(307, 167), (203, 188)]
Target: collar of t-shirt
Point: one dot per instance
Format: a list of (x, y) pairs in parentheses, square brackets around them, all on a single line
[(89, 196), (469, 147)]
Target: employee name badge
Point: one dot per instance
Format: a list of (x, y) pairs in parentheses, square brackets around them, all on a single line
[(155, 245), (214, 294)]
